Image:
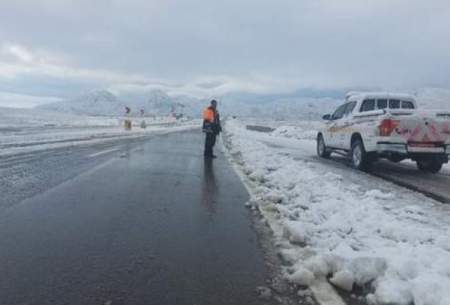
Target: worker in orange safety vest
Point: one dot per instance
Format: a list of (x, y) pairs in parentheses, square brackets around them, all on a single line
[(211, 127)]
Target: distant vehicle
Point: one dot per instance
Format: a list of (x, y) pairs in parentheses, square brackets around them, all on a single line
[(386, 125)]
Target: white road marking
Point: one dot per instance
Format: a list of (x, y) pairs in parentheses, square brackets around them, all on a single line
[(102, 152)]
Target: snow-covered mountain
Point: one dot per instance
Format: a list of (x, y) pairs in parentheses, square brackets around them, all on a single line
[(158, 102), (105, 103), (298, 105), (101, 102), (293, 106), (433, 98)]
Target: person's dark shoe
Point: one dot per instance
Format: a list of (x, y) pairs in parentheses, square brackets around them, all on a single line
[(210, 156)]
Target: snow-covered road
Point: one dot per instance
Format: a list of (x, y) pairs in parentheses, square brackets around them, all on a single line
[(37, 138), (350, 227)]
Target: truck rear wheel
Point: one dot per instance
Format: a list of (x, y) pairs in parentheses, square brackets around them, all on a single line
[(429, 165), (322, 149), (360, 158)]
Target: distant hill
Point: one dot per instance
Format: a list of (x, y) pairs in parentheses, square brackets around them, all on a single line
[(433, 98), (101, 102), (292, 106), (301, 104), (105, 103), (158, 102)]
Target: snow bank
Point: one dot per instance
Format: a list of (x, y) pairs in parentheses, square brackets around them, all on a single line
[(357, 231), (301, 130)]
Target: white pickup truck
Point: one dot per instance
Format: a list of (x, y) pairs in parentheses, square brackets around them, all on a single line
[(386, 125)]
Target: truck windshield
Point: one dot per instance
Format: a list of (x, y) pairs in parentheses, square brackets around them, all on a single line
[(339, 113)]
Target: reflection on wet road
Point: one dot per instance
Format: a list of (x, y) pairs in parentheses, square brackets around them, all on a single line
[(210, 190)]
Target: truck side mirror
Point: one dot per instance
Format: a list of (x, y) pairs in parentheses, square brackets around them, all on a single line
[(326, 117)]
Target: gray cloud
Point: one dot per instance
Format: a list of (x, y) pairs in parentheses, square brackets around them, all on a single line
[(206, 47)]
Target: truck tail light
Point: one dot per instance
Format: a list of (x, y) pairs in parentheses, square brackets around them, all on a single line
[(387, 126)]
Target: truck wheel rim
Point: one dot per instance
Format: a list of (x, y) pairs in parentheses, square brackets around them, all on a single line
[(357, 155)]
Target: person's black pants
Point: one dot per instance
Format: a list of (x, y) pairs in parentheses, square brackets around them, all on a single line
[(209, 143)]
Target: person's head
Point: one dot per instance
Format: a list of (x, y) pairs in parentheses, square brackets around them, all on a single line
[(214, 104)]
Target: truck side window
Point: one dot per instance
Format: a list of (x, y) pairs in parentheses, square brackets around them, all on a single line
[(394, 104), (339, 113), (349, 108), (367, 105), (407, 105), (382, 103)]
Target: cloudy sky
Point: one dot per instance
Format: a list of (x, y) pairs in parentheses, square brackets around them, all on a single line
[(59, 48)]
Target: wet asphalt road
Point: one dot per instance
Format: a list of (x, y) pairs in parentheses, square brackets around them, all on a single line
[(405, 174), (149, 223)]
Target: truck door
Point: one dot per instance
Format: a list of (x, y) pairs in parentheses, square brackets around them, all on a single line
[(333, 130), (343, 127)]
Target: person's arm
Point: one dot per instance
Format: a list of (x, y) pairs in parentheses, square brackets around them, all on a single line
[(219, 126)]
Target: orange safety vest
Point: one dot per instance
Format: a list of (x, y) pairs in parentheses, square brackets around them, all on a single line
[(209, 115)]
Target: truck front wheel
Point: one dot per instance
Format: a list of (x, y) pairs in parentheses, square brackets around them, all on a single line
[(360, 158), (322, 149), (429, 165)]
